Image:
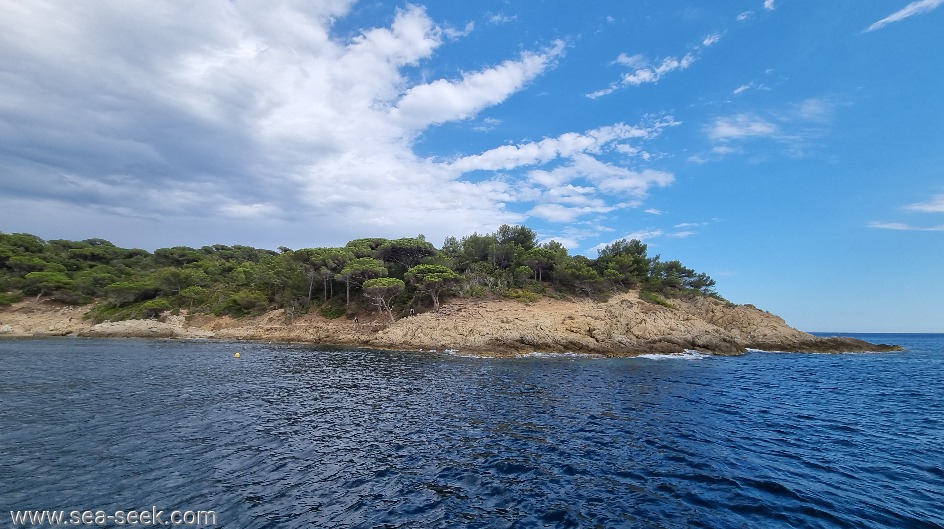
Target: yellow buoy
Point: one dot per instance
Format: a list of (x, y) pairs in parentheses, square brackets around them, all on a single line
[(236, 355)]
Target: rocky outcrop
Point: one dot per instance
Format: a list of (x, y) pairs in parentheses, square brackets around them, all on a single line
[(625, 325)]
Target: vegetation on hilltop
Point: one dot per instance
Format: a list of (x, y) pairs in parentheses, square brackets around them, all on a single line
[(392, 275)]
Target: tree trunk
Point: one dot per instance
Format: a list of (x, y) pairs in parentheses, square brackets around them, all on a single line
[(386, 306)]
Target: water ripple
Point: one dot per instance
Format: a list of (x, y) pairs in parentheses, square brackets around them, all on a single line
[(294, 436)]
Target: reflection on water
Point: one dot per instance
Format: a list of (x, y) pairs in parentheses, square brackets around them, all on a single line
[(296, 436)]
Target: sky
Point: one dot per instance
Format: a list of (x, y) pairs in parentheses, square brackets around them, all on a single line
[(791, 149)]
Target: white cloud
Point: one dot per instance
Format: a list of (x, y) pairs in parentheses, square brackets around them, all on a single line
[(792, 129), (249, 123), (641, 235), (724, 150), (914, 8), (645, 71), (935, 205), (654, 211), (652, 74), (741, 126), (501, 18), (562, 213), (745, 16), (898, 226), (815, 109), (750, 86), (248, 210), (564, 146), (242, 122), (443, 100), (769, 5), (711, 39), (454, 33)]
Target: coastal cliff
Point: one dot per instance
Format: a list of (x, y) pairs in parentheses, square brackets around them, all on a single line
[(625, 325)]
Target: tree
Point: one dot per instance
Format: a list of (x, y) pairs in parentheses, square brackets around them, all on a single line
[(672, 276), (511, 243), (24, 264), (24, 241), (153, 308), (361, 268), (383, 289), (172, 280), (365, 247), (407, 251), (42, 282), (93, 281), (322, 263), (433, 279), (178, 255), (476, 248), (520, 236), (124, 292), (581, 276), (193, 295), (539, 259), (624, 263)]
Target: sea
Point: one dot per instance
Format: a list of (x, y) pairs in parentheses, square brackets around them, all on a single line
[(100, 433)]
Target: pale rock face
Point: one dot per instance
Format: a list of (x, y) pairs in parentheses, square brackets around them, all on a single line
[(625, 325)]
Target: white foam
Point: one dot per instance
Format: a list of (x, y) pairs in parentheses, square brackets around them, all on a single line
[(538, 354), (688, 354)]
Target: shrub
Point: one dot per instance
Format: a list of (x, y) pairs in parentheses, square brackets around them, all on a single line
[(654, 298), (153, 308), (332, 311), (7, 299), (521, 295)]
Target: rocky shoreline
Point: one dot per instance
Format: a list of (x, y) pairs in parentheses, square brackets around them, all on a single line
[(625, 325)]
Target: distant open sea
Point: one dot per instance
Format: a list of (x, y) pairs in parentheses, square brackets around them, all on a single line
[(308, 436)]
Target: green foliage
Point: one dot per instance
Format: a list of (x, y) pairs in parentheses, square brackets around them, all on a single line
[(127, 292), (654, 298), (360, 269), (154, 307), (391, 273), (332, 311), (193, 296), (7, 299), (382, 290), (24, 264), (407, 252), (23, 241), (383, 283), (243, 302), (623, 263), (433, 279), (580, 275), (521, 295)]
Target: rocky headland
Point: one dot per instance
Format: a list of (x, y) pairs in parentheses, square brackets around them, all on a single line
[(625, 325)]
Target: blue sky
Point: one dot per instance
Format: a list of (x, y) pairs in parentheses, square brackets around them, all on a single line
[(793, 150)]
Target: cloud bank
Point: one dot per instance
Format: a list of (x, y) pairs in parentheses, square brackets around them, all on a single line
[(242, 121)]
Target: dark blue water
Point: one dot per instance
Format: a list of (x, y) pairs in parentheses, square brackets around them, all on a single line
[(297, 436)]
